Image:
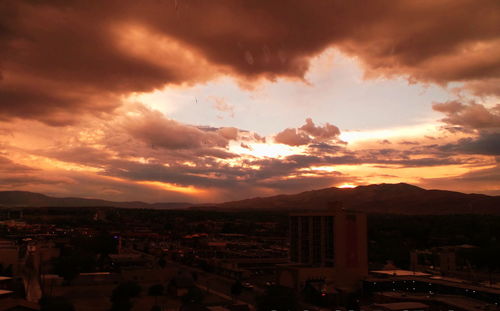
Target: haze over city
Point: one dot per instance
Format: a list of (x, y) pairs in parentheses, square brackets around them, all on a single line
[(215, 101)]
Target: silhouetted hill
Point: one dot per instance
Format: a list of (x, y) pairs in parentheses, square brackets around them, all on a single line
[(31, 199), (383, 198)]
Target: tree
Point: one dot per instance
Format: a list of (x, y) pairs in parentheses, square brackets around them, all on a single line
[(236, 289), (70, 265), (278, 298), (156, 291), (56, 304), (8, 271), (194, 295), (122, 295), (162, 262), (128, 289), (122, 305), (484, 257), (67, 268)]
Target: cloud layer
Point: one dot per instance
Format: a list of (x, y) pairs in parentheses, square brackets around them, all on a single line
[(63, 58), (68, 71)]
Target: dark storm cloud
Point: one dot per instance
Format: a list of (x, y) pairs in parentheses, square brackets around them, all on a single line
[(421, 162), (61, 59), (58, 58), (475, 118), (325, 147), (120, 157), (485, 143), (426, 40), (275, 175), (205, 170)]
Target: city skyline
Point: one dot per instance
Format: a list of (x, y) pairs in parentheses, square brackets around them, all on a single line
[(190, 101)]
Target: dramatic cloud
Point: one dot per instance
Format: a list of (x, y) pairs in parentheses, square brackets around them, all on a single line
[(74, 121), (292, 137), (60, 59), (7, 166), (308, 133), (483, 121), (158, 131), (14, 176), (485, 143), (141, 152), (322, 133), (470, 116)]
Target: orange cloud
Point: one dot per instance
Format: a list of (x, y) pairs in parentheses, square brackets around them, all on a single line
[(308, 133), (62, 59), (76, 63)]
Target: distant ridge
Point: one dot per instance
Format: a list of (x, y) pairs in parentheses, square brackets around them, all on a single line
[(32, 199), (399, 198)]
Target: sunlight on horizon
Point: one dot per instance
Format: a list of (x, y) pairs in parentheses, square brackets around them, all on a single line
[(347, 186)]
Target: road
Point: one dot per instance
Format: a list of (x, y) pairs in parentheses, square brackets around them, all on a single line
[(219, 285), (215, 284)]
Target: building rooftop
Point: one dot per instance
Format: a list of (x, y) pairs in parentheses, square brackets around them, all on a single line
[(18, 304), (5, 292), (464, 303), (410, 305), (399, 272)]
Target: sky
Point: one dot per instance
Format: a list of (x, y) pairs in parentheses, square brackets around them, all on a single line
[(212, 101)]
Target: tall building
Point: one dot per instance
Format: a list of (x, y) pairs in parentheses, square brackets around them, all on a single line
[(330, 246)]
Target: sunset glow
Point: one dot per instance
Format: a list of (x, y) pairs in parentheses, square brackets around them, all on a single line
[(198, 102), (343, 186), (249, 155), (171, 187)]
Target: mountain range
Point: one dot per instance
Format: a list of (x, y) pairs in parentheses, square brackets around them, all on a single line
[(381, 198), (32, 199)]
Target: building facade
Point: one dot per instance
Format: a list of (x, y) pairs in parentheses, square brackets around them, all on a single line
[(330, 246)]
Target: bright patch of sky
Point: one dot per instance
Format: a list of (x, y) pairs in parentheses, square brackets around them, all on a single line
[(334, 92)]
